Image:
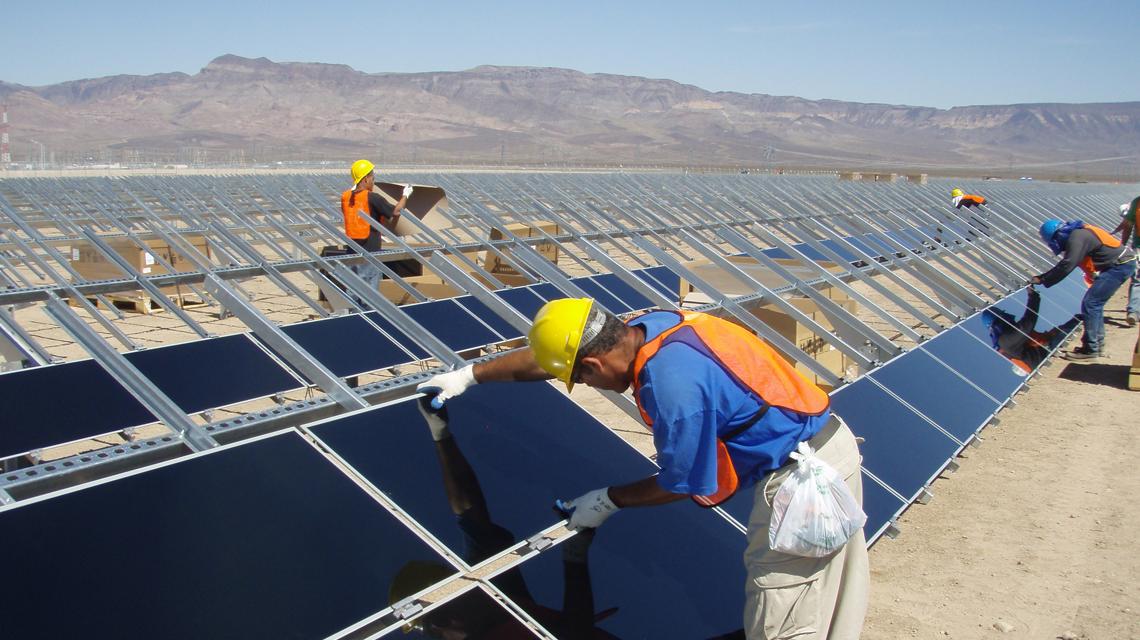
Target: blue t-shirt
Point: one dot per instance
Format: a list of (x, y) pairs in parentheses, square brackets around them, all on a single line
[(690, 400)]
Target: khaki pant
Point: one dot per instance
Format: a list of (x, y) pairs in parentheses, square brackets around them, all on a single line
[(807, 598)]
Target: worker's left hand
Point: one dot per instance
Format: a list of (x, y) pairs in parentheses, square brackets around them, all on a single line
[(589, 510), (408, 190)]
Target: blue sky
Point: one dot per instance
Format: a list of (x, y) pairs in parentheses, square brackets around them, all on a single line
[(939, 54)]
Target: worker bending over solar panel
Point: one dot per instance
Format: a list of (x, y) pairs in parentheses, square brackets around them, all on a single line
[(1017, 338), (727, 412), (1107, 263)]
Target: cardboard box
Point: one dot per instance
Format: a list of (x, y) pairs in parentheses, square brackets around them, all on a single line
[(548, 250), (91, 264)]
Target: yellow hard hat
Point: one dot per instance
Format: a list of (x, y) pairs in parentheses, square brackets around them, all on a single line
[(956, 193), (558, 331), (360, 169)]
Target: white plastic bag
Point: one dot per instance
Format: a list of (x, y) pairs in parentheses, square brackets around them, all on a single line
[(813, 513)]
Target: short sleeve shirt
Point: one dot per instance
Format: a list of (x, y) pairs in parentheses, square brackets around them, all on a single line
[(691, 400)]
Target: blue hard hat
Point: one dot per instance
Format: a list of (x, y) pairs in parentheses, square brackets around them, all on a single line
[(988, 319), (1049, 228)]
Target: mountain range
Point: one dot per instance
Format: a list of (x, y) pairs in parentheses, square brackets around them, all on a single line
[(257, 110)]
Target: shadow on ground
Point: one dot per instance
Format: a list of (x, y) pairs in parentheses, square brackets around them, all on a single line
[(1110, 375)]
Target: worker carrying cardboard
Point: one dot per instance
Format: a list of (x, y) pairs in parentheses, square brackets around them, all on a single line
[(959, 199), (361, 202), (1106, 262), (727, 412)]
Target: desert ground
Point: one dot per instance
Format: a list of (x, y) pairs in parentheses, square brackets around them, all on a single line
[(1035, 536)]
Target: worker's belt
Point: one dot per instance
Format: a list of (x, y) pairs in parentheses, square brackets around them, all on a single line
[(818, 440)]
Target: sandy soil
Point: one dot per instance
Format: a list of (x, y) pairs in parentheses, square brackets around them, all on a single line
[(1036, 535)]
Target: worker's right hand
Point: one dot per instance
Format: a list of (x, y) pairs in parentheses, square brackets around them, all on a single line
[(587, 511), (445, 386), (408, 190)]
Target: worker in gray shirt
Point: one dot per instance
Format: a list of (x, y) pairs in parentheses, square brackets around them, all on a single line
[(1106, 263)]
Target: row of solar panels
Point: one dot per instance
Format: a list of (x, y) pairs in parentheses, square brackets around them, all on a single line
[(193, 374), (267, 538)]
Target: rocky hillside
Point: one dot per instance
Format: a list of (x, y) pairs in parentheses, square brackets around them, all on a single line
[(257, 110)]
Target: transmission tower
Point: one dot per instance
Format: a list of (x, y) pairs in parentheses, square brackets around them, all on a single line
[(5, 154)]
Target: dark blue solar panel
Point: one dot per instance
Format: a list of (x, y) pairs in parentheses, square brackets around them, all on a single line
[(777, 253), (662, 279), (399, 336), (597, 292), (514, 451), (262, 540), (496, 322), (522, 299), (683, 584), (348, 345), (838, 247), (810, 252), (901, 448), (547, 291), (1049, 314), (976, 361), (450, 322), (626, 293), (880, 505), (938, 393), (213, 373), (35, 416)]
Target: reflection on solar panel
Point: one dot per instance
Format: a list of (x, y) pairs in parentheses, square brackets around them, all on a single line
[(263, 539)]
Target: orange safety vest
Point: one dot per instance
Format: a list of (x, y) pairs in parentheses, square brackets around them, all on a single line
[(751, 364), (1105, 239), (354, 226)]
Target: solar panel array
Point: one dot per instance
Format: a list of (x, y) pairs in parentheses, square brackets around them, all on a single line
[(271, 475)]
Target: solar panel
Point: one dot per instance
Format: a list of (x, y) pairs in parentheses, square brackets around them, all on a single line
[(513, 452), (265, 539), (662, 279), (450, 322), (522, 299), (881, 507), (212, 373), (977, 361), (347, 345), (658, 572), (35, 416), (938, 393), (626, 293), (601, 295), (901, 448), (399, 336), (496, 322)]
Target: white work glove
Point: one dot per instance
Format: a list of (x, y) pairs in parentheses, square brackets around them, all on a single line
[(436, 419), (445, 386), (589, 510), (408, 190)]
